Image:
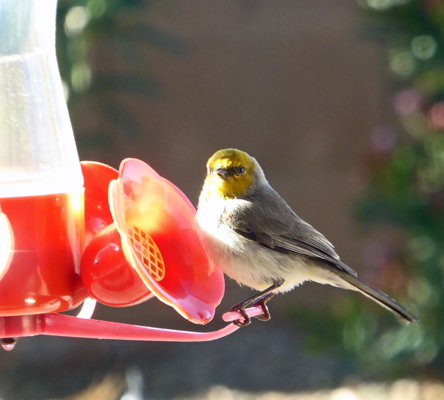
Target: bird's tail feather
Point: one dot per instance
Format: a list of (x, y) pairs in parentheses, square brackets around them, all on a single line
[(379, 297)]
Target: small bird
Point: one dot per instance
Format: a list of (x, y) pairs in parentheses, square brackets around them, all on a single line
[(252, 234)]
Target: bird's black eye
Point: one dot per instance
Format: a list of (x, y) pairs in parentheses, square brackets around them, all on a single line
[(241, 170)]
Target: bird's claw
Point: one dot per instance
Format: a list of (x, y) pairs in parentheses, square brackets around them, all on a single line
[(265, 316), (245, 320), (261, 302)]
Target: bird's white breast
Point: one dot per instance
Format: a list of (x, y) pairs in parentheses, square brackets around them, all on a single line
[(243, 260)]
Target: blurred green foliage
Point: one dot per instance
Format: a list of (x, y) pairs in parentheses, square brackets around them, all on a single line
[(88, 29), (405, 168)]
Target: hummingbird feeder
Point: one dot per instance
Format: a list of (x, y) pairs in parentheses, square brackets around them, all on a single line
[(73, 233)]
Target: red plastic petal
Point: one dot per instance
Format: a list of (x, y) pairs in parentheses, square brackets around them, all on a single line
[(144, 193), (157, 210), (207, 281), (97, 177), (107, 275)]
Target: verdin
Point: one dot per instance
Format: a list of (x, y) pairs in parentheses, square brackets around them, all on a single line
[(251, 233)]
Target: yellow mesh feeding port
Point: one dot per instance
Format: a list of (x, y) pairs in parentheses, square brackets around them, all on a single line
[(147, 252)]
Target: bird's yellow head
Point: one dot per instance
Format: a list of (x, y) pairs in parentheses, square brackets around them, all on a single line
[(231, 173)]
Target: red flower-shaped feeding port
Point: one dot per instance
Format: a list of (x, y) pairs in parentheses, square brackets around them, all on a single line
[(149, 245)]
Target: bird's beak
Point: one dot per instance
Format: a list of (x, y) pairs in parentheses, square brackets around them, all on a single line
[(222, 172)]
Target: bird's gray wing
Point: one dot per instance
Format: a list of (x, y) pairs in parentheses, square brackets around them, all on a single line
[(266, 219)]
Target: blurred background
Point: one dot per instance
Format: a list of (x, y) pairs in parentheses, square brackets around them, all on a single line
[(342, 103)]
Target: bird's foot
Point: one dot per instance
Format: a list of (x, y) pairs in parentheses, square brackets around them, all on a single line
[(260, 300), (245, 320), (262, 303)]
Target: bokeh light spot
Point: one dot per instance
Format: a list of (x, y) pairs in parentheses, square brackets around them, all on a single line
[(81, 77), (407, 102), (401, 62), (421, 248), (385, 4), (424, 47), (394, 342), (427, 352), (96, 8), (436, 116), (75, 21), (420, 291)]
